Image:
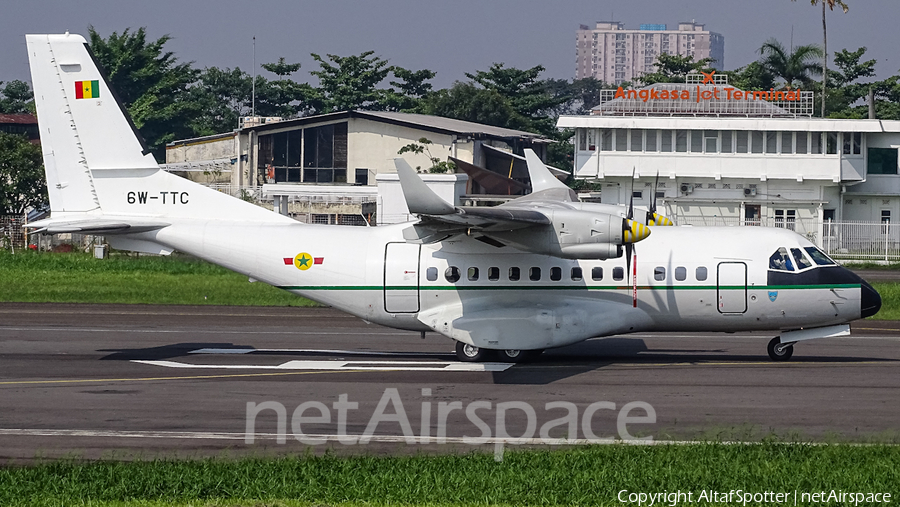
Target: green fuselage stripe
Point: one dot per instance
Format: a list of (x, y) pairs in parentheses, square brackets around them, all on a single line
[(565, 287)]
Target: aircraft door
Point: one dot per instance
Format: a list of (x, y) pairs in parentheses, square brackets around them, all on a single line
[(401, 278), (732, 287)]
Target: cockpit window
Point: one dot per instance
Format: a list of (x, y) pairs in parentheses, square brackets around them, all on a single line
[(802, 261), (780, 261), (819, 256)]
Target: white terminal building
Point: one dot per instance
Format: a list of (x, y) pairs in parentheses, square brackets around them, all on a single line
[(727, 157), (613, 54)]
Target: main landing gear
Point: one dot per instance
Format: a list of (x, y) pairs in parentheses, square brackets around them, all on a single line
[(470, 354), (780, 351)]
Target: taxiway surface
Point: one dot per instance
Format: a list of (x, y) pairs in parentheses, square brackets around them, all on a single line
[(120, 381)]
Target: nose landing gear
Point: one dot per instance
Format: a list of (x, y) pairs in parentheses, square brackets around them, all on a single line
[(780, 351)]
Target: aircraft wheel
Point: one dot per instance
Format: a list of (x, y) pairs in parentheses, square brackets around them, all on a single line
[(470, 353), (779, 351), (518, 356)]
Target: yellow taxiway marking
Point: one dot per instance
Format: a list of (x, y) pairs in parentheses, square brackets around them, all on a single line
[(189, 377)]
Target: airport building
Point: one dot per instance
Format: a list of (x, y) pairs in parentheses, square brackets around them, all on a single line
[(613, 54), (339, 167), (729, 157)]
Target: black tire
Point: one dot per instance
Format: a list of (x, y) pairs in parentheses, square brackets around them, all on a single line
[(471, 354), (779, 352)]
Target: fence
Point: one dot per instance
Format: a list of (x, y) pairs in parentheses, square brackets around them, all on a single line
[(873, 241), (12, 235)]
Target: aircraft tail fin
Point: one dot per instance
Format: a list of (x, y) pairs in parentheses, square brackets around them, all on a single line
[(97, 163)]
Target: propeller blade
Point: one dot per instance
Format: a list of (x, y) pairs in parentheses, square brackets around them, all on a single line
[(654, 218), (630, 213)]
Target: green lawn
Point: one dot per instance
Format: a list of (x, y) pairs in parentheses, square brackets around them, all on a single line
[(173, 280), (582, 476)]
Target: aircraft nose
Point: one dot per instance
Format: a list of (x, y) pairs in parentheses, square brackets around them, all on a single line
[(870, 300)]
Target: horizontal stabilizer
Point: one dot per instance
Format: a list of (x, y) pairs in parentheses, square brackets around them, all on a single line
[(106, 225)]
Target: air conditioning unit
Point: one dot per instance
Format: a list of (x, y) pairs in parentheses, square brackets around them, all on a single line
[(687, 188), (749, 192)]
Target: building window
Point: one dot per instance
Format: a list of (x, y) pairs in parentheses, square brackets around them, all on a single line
[(681, 140), (857, 143), (582, 140), (665, 141), (743, 145), (882, 161), (514, 274), (651, 140), (815, 143), (771, 142), (756, 141), (637, 140), (282, 152), (785, 218), (711, 141), (696, 141), (787, 142), (621, 140), (885, 221), (606, 139), (726, 142), (846, 138), (591, 143), (325, 154), (801, 143), (831, 143)]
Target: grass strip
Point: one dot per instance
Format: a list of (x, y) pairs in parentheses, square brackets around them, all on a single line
[(579, 476), (30, 277)]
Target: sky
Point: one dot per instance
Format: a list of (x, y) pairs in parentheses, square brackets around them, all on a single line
[(450, 37)]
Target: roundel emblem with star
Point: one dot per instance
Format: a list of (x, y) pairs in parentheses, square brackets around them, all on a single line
[(303, 261)]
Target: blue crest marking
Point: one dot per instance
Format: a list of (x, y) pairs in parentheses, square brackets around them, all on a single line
[(773, 295)]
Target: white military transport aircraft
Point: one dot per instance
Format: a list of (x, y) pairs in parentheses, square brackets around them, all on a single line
[(541, 271)]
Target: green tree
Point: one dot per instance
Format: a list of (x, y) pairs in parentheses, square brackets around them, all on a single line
[(349, 82), (411, 87), (16, 97), (22, 183), (830, 4), (674, 69), (753, 76), (437, 165), (527, 95), (222, 97), (793, 68), (845, 86), (151, 83), (281, 68), (465, 101)]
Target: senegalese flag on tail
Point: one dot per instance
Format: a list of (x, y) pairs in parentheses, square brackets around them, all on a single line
[(87, 89)]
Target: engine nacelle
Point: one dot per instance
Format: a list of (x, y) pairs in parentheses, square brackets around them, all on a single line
[(573, 234)]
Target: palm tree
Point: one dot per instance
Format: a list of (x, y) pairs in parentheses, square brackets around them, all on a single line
[(830, 4), (793, 67)]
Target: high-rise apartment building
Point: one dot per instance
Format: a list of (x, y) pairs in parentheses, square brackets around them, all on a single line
[(613, 54)]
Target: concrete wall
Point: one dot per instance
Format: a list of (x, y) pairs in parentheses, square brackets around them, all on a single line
[(199, 151)]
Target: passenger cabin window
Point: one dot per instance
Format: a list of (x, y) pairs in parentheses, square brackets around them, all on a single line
[(576, 274), (556, 274), (780, 261), (514, 274), (701, 274), (493, 274), (431, 274), (802, 262), (618, 274), (534, 274), (819, 257), (452, 274), (659, 273), (473, 274), (680, 273), (597, 274)]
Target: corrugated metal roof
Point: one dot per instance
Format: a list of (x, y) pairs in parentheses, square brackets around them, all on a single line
[(449, 124), (18, 119)]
